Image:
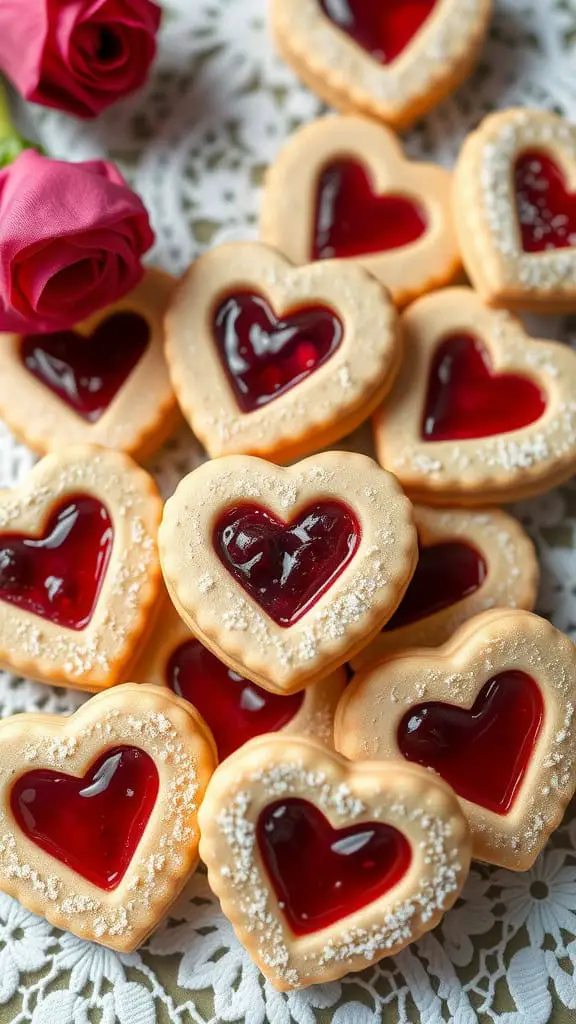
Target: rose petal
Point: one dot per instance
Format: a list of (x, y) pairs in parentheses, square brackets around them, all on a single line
[(51, 50), (71, 241)]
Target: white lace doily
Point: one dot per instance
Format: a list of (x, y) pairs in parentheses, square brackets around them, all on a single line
[(194, 144)]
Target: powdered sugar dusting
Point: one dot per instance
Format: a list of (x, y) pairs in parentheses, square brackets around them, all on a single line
[(159, 866), (359, 596), (446, 39), (325, 402), (553, 269), (505, 460), (507, 641), (397, 921), (91, 655)]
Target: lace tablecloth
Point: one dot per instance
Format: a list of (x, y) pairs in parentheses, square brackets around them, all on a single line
[(194, 145)]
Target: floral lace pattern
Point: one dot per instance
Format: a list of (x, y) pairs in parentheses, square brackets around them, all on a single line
[(194, 144)]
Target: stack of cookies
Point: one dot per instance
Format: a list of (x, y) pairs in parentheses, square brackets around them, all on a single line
[(318, 671)]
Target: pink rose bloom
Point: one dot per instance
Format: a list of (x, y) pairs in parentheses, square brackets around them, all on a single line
[(77, 55), (71, 241)]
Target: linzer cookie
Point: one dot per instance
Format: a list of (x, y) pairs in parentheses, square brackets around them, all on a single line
[(286, 573), (98, 816), (492, 712), (515, 205), (469, 561), (394, 60), (235, 709), (358, 198), (268, 359), (104, 383), (324, 867), (79, 570), (480, 413)]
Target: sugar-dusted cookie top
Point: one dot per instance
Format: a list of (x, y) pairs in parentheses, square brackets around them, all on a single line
[(394, 61), (285, 573), (275, 360), (480, 411), (358, 198), (104, 383), (323, 866), (79, 571), (516, 212), (470, 560), (98, 815), (492, 712)]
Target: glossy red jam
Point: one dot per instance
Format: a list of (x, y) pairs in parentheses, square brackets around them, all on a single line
[(287, 567), (320, 874), (265, 356), (58, 575), (351, 220), (92, 824), (466, 399), (482, 752), (383, 29), (87, 373), (235, 709), (546, 209), (445, 574)]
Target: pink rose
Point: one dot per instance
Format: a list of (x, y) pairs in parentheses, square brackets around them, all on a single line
[(71, 240), (77, 55)]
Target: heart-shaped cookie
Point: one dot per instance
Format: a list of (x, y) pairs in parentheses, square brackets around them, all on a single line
[(393, 61), (359, 199), (268, 359), (324, 867), (235, 709), (515, 205), (104, 383), (98, 811), (492, 712), (469, 561), (286, 573), (79, 571), (480, 412)]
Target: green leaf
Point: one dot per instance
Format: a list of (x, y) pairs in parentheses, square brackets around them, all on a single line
[(12, 147)]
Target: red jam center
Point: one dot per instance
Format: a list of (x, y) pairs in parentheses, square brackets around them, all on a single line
[(384, 30), (352, 221), (235, 709), (320, 874), (264, 356), (445, 574), (59, 574), (87, 373), (546, 209), (466, 399), (92, 824), (287, 567), (482, 752)]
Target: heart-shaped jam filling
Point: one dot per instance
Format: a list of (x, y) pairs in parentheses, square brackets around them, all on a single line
[(287, 567), (263, 355), (445, 574), (546, 209), (466, 399), (59, 574), (384, 30), (351, 220), (87, 373), (321, 874), (235, 709), (92, 824), (483, 753)]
